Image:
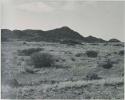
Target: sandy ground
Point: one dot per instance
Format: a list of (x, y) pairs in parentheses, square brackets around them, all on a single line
[(68, 80)]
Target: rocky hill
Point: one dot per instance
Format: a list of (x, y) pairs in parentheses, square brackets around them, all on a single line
[(114, 40), (55, 35)]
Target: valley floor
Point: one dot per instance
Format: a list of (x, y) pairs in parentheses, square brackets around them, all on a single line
[(75, 75)]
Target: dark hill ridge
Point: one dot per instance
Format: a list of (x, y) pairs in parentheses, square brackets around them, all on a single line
[(114, 40), (55, 35), (92, 39), (64, 33)]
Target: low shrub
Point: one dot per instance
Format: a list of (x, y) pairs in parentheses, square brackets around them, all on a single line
[(79, 54), (92, 53), (107, 65), (42, 60), (24, 43), (92, 76), (115, 52), (73, 59), (57, 60), (121, 52), (28, 52)]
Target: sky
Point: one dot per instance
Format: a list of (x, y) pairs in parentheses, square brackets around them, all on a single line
[(103, 19)]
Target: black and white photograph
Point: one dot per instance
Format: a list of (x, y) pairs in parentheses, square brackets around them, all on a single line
[(62, 49)]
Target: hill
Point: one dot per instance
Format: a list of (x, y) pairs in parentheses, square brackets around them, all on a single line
[(55, 35), (114, 40)]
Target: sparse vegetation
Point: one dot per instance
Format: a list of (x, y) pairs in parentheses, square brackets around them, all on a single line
[(92, 76), (107, 65), (68, 52), (115, 53), (63, 60), (24, 43), (92, 53), (28, 52), (12, 82), (73, 59), (42, 60), (79, 54), (57, 72), (120, 45), (57, 60), (105, 44), (29, 70), (70, 42), (121, 52), (94, 43)]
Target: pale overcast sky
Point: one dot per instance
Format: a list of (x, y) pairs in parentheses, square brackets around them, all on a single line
[(104, 19)]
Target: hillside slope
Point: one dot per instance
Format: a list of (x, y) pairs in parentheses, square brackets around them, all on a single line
[(55, 35)]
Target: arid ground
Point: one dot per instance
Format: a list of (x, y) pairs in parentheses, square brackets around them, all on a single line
[(74, 74)]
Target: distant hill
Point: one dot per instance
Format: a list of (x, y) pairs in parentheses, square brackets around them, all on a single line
[(114, 40), (55, 35), (92, 39), (64, 33)]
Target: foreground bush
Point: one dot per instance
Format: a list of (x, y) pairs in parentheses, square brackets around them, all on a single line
[(42, 60), (91, 53), (28, 52)]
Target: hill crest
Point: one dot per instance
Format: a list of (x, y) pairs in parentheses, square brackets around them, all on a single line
[(55, 35)]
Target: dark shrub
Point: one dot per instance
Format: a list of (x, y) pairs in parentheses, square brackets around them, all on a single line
[(42, 60), (107, 65), (121, 52), (79, 54), (24, 43), (28, 52), (115, 52), (57, 60), (92, 76), (73, 59), (91, 53)]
